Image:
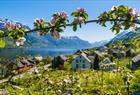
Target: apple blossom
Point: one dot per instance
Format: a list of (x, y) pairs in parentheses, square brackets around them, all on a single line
[(59, 16), (9, 26), (20, 41), (132, 11), (114, 8), (80, 20), (63, 15), (38, 21), (81, 10)]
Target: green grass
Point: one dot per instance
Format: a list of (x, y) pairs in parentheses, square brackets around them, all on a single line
[(88, 82)]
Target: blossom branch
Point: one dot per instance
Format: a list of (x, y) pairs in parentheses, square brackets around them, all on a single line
[(86, 22)]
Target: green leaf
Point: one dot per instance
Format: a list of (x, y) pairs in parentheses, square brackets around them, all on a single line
[(2, 43), (64, 24), (59, 30), (103, 24), (46, 23), (75, 27), (131, 19), (75, 14), (117, 29), (72, 14), (85, 16)]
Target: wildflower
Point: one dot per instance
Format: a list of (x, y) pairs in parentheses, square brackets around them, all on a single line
[(38, 75), (20, 41), (17, 87), (119, 69), (114, 71), (78, 86), (66, 81), (77, 78), (36, 71), (38, 58), (60, 83), (59, 91), (50, 82)]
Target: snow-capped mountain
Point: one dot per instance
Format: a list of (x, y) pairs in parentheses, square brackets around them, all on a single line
[(50, 42)]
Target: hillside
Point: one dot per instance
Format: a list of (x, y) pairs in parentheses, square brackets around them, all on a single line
[(125, 36)]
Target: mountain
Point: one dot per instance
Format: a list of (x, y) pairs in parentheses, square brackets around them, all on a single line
[(47, 41), (125, 36), (100, 43)]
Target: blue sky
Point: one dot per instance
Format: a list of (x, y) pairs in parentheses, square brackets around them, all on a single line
[(25, 11)]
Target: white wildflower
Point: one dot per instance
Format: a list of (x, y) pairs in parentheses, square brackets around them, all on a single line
[(66, 81), (38, 58), (78, 86), (17, 87), (59, 91), (50, 82), (39, 75)]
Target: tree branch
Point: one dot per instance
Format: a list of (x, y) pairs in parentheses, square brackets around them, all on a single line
[(89, 21)]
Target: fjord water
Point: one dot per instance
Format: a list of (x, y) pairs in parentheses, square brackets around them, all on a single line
[(14, 52)]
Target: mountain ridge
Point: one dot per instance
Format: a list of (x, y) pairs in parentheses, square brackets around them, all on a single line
[(125, 36)]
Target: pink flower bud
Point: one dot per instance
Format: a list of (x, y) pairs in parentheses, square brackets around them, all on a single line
[(39, 21), (63, 15), (59, 16), (81, 10), (55, 34), (130, 10)]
